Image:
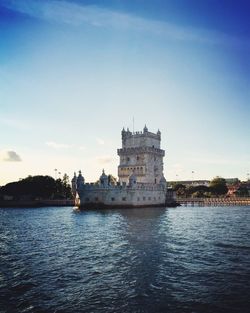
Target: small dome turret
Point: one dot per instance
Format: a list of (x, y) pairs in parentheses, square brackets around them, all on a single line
[(73, 180), (145, 129), (103, 179), (80, 180), (123, 133), (73, 184)]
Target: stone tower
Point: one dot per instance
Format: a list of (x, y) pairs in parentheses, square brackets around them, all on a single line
[(142, 156)]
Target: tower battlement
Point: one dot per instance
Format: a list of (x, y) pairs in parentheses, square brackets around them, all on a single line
[(140, 138)]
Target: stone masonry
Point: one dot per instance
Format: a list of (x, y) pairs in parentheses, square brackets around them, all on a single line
[(141, 154)]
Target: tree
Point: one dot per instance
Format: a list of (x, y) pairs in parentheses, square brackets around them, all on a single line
[(66, 188), (218, 186), (242, 191), (180, 190), (39, 186)]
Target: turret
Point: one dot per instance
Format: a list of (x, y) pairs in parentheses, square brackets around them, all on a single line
[(73, 184), (104, 180), (145, 129), (80, 181)]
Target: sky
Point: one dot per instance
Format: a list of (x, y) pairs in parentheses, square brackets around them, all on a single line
[(74, 73)]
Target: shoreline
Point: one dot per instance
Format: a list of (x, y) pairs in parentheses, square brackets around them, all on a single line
[(35, 203)]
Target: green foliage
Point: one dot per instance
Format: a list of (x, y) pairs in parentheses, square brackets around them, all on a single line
[(242, 191), (218, 186), (45, 187), (191, 191), (180, 190)]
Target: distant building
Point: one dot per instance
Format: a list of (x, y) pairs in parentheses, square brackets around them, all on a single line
[(192, 183), (232, 181)]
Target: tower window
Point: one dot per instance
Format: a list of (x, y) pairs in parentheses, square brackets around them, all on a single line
[(124, 199), (128, 159)]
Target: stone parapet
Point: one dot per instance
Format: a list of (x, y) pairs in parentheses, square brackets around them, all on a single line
[(137, 186), (138, 150), (128, 134)]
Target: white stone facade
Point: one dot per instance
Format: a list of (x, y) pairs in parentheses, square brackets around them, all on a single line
[(122, 195), (140, 172), (141, 154)]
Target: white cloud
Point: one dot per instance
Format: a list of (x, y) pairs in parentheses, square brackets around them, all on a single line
[(78, 15), (57, 145), (10, 156)]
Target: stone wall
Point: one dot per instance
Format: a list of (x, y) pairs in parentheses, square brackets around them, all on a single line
[(122, 196)]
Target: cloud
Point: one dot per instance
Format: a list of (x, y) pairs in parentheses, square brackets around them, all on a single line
[(10, 156), (57, 145), (104, 159), (100, 141), (78, 15)]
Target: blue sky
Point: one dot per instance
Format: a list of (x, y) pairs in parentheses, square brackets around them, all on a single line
[(73, 73)]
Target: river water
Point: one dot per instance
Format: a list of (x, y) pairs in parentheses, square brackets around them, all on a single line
[(132, 260)]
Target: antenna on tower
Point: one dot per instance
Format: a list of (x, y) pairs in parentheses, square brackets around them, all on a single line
[(133, 125)]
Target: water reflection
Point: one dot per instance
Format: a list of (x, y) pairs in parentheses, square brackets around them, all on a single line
[(136, 260)]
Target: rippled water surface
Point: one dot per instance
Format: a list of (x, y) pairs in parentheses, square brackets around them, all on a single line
[(134, 260)]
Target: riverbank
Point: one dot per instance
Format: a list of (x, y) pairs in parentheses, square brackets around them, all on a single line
[(35, 203)]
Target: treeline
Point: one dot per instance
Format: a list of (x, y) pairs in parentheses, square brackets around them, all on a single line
[(38, 187), (217, 187)]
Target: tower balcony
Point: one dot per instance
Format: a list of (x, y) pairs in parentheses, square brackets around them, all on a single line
[(138, 150)]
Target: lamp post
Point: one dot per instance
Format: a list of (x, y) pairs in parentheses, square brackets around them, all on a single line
[(55, 173), (248, 176)]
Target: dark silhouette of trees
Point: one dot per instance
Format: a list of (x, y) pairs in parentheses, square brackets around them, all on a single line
[(33, 187), (218, 186), (180, 190)]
